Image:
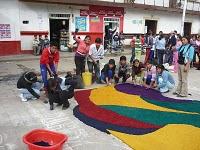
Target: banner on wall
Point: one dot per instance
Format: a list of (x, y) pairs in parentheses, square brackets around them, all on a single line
[(95, 19), (5, 31), (84, 12), (80, 23)]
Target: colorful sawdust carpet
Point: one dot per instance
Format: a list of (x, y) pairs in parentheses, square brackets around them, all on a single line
[(142, 118)]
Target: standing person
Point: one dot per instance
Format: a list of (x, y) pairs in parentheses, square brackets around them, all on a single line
[(185, 57), (165, 80), (194, 44), (41, 44), (49, 63), (149, 45), (81, 53), (46, 41), (160, 47), (138, 48), (172, 43), (150, 75), (96, 53), (108, 72), (116, 39), (122, 70), (175, 53), (29, 86), (132, 44), (35, 46), (198, 51)]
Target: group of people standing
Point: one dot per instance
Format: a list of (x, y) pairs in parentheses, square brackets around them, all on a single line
[(39, 43), (174, 50)]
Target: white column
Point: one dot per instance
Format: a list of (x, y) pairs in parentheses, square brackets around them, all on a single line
[(183, 18)]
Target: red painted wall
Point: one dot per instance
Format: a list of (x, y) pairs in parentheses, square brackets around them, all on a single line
[(10, 47)]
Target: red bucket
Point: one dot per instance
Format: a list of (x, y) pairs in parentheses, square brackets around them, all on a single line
[(56, 140)]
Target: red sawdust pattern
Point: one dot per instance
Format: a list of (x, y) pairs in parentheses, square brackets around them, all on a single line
[(91, 110)]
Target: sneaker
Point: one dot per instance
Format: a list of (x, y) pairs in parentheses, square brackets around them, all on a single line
[(22, 98), (174, 93), (45, 101), (181, 95)]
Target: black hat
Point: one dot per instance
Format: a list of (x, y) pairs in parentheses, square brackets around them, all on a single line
[(111, 61)]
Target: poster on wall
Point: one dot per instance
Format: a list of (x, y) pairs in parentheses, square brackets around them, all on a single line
[(80, 23), (5, 31)]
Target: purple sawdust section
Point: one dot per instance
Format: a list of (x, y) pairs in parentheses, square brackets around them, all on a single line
[(146, 93)]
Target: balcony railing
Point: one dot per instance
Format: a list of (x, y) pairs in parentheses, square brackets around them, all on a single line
[(193, 5)]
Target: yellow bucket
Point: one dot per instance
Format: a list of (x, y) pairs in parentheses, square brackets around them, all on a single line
[(87, 78)]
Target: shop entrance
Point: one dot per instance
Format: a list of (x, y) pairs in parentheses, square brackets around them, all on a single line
[(59, 32), (187, 28), (151, 25), (110, 23)]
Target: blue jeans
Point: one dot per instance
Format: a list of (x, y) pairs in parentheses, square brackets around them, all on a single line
[(160, 55), (43, 69), (35, 86), (133, 54), (148, 79), (110, 75)]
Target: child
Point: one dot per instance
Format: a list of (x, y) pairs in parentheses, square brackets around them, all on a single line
[(138, 48), (108, 72), (35, 46), (41, 44), (29, 86), (59, 91), (122, 70), (49, 63), (132, 44), (137, 71), (165, 81), (150, 75)]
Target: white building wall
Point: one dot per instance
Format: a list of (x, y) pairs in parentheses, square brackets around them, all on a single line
[(134, 21), (9, 14), (38, 16)]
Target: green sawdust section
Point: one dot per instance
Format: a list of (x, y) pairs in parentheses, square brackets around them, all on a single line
[(192, 106), (155, 117)]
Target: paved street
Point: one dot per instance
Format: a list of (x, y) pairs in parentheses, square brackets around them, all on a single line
[(17, 118)]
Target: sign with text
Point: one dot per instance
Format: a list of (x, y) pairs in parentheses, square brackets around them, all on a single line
[(5, 31)]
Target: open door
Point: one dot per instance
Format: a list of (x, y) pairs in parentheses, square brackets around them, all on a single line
[(187, 28), (59, 32), (151, 25)]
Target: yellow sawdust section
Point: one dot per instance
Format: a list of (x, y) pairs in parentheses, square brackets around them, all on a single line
[(170, 137), (110, 96)]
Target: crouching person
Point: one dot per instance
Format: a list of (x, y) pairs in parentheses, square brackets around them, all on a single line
[(137, 72), (122, 70), (29, 86), (165, 81), (108, 72), (59, 91)]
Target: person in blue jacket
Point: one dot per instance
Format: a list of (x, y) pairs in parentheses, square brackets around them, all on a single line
[(165, 81)]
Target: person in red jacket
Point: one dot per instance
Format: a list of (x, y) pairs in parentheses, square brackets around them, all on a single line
[(49, 62)]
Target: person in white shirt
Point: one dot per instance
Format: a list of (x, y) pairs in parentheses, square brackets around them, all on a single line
[(96, 52)]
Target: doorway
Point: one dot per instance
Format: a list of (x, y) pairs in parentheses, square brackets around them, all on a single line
[(59, 32), (110, 23), (187, 28), (151, 25)]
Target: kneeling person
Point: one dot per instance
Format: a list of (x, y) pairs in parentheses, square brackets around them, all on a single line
[(108, 72), (122, 70), (59, 91), (29, 86), (165, 81)]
